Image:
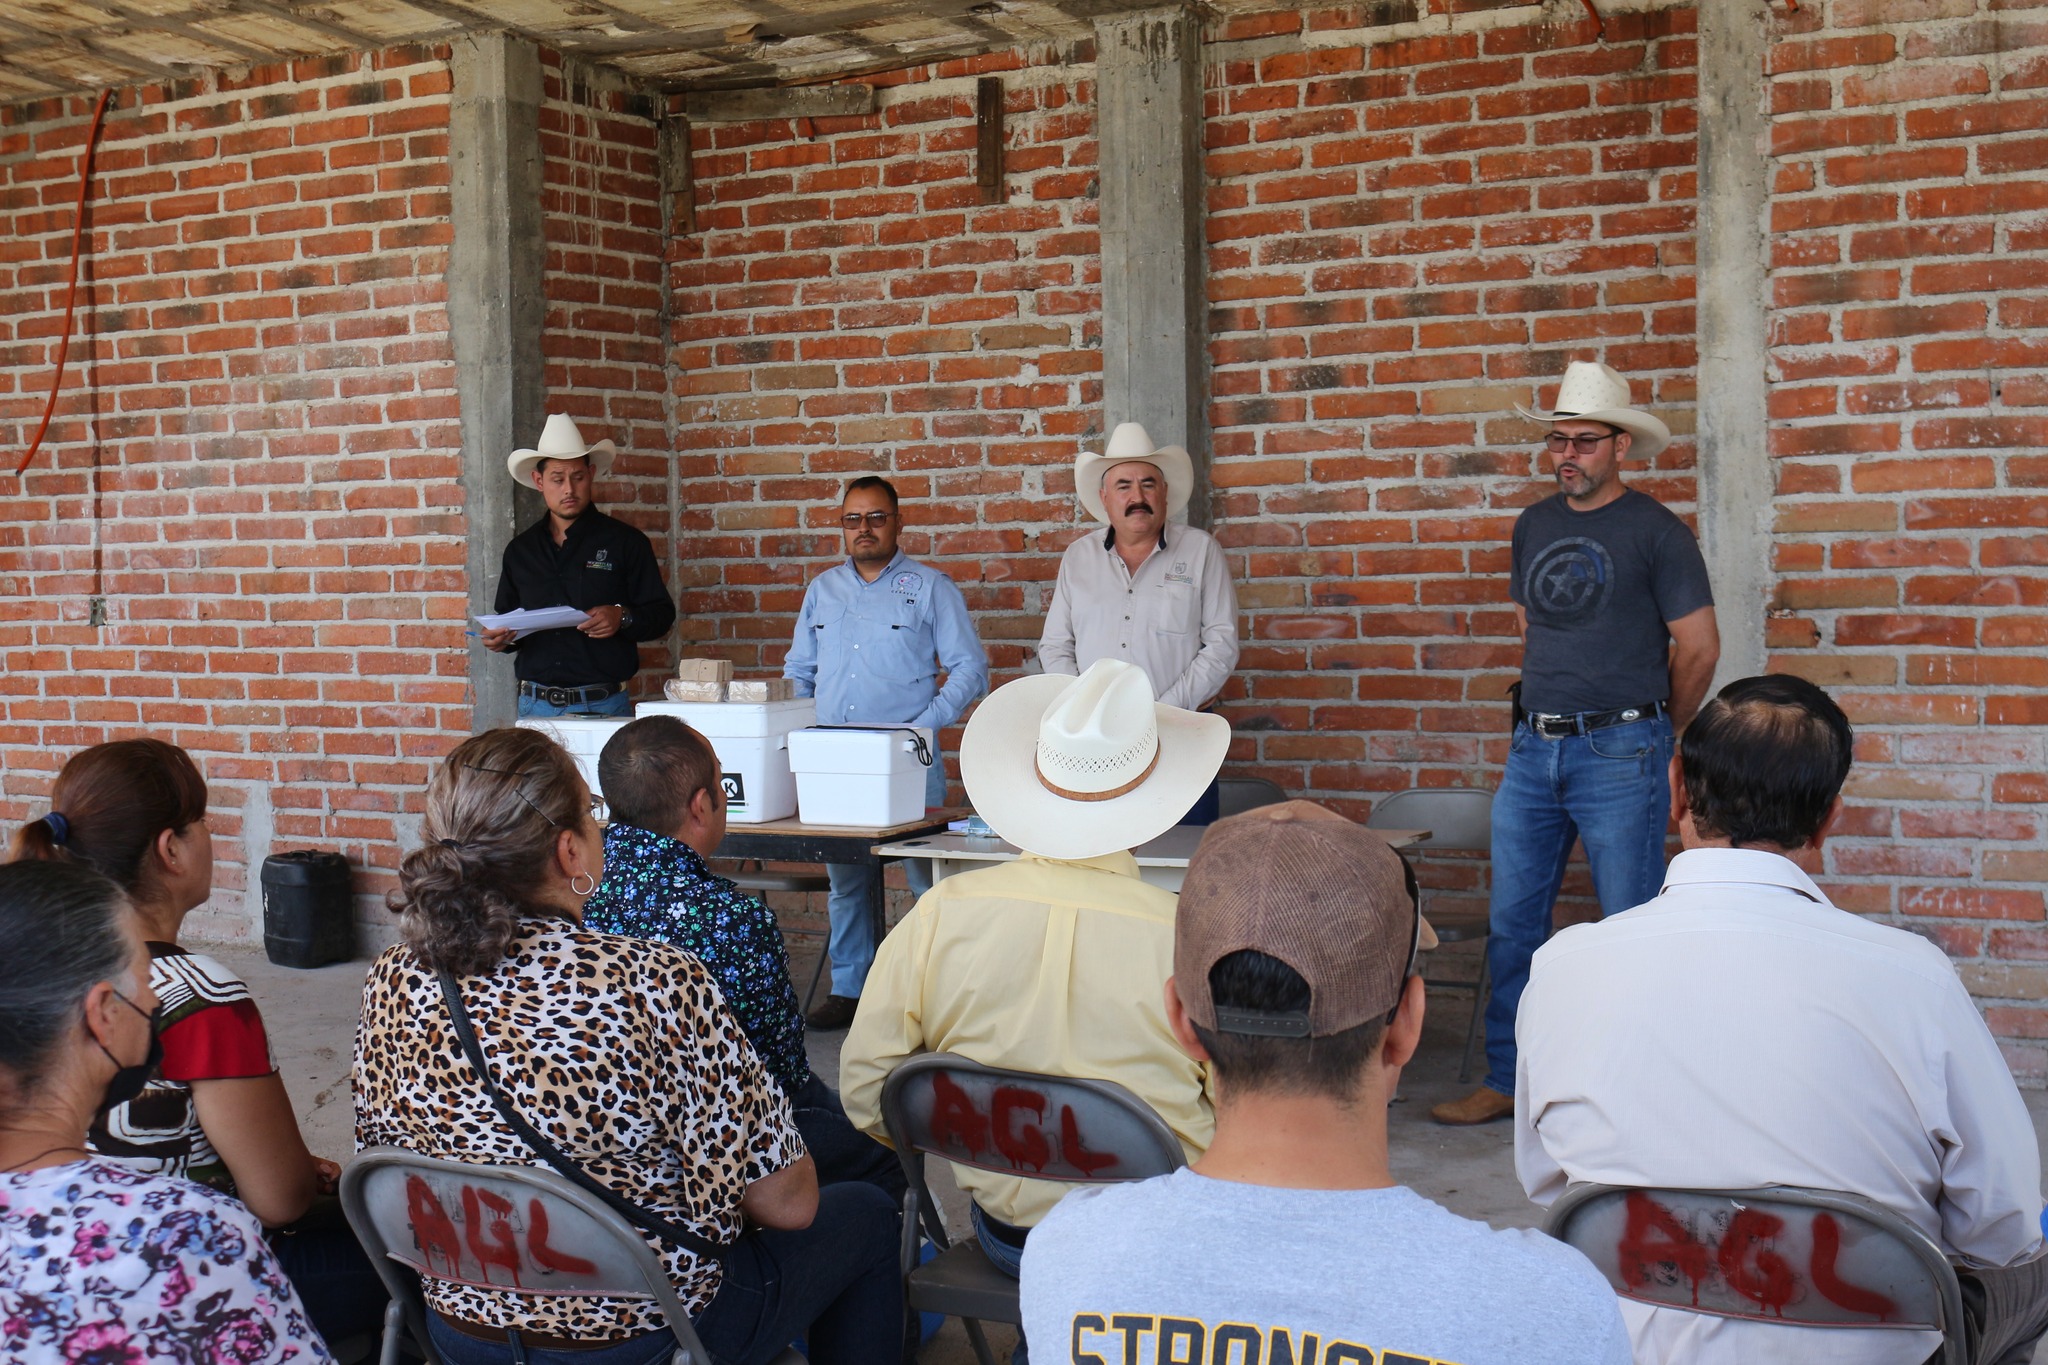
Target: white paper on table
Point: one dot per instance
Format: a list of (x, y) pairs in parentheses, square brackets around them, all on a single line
[(524, 622)]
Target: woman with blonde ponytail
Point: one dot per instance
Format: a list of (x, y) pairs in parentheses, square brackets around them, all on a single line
[(619, 1053)]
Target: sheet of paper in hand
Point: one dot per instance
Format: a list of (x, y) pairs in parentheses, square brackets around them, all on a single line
[(525, 622)]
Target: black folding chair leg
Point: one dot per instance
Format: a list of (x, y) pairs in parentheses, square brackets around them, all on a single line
[(1481, 993), (817, 973), (979, 1340)]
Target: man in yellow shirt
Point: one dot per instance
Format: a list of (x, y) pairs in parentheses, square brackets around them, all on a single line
[(1057, 962)]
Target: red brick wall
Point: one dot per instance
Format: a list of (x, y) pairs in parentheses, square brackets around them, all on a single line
[(849, 306), (1407, 235), (253, 463), (1910, 432), (1409, 231), (604, 343)]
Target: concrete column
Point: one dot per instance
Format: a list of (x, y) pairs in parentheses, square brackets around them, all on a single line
[(1736, 477), (495, 311), (1148, 99)]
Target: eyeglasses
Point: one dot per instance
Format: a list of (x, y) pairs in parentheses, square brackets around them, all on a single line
[(1414, 937), (600, 811), (852, 521), (1557, 443)]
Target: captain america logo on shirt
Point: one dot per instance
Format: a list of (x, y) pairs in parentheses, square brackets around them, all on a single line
[(1568, 582)]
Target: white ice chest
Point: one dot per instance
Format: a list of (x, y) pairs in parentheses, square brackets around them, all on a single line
[(867, 778), (583, 736), (752, 743)]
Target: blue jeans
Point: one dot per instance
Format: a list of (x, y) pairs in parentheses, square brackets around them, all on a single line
[(1610, 789), (834, 1283), (337, 1285), (852, 944), (842, 1151), (1004, 1255), (619, 703)]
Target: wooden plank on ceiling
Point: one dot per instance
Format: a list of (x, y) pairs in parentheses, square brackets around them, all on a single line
[(806, 101)]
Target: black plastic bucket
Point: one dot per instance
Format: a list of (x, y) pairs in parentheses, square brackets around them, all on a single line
[(308, 913)]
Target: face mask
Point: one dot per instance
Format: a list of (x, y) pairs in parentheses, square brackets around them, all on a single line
[(128, 1081)]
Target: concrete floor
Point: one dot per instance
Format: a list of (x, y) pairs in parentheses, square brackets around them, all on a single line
[(311, 1017)]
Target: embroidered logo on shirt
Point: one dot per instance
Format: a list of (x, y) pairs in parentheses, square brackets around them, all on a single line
[(1179, 573), (603, 561), (908, 581)]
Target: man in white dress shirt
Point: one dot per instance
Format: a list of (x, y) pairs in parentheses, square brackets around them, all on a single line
[(1148, 591), (1740, 1031)]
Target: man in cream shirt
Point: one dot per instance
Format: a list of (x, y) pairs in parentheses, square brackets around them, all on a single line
[(1057, 962), (1148, 590), (1739, 1031)]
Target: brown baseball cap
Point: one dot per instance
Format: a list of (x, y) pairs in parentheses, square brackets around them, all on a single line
[(1321, 893)]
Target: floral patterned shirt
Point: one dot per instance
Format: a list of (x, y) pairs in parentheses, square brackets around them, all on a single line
[(104, 1265), (657, 887), (623, 1053)]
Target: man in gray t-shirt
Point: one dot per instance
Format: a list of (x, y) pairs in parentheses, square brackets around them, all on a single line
[(1288, 1242), (1618, 646)]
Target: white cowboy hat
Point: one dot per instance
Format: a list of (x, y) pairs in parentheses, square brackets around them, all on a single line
[(1129, 442), (559, 440), (1079, 767), (1592, 392)]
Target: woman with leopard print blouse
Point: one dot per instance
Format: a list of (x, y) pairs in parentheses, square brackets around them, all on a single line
[(622, 1052)]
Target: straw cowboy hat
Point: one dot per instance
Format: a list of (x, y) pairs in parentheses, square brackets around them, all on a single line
[(1079, 767), (1592, 392), (1129, 442), (559, 440)]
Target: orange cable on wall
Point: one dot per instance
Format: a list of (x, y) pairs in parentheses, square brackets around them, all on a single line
[(71, 294)]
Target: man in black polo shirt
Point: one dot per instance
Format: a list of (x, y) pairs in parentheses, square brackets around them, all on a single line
[(576, 556)]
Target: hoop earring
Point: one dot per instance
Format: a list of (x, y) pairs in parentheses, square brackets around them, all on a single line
[(584, 891)]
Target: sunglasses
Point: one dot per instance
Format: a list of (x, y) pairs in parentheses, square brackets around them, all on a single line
[(853, 521), (1557, 443)]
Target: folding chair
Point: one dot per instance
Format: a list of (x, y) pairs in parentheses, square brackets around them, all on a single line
[(1235, 795), (1017, 1123), (519, 1229), (758, 883), (1459, 819), (1784, 1254)]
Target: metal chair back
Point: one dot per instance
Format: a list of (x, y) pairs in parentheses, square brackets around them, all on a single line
[(1782, 1254), (518, 1229), (1235, 795), (1017, 1123), (1458, 818)]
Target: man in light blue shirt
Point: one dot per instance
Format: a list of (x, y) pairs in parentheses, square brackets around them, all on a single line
[(874, 637)]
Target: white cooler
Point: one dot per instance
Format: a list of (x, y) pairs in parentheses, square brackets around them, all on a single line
[(866, 777), (752, 743), (583, 736)]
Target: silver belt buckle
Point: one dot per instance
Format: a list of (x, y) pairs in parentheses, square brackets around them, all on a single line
[(1633, 713)]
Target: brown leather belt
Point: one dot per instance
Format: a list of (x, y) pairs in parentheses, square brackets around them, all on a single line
[(533, 1340)]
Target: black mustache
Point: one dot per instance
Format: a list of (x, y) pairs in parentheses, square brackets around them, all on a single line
[(1138, 507)]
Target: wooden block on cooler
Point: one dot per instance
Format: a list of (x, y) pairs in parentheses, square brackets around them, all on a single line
[(704, 671), (678, 689), (760, 689)]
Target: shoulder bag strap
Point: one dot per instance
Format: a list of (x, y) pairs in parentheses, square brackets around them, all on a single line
[(644, 1219)]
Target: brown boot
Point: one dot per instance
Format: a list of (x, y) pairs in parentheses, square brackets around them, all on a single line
[(1481, 1106), (834, 1014)]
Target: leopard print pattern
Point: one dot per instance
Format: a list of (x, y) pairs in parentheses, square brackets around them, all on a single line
[(623, 1052)]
